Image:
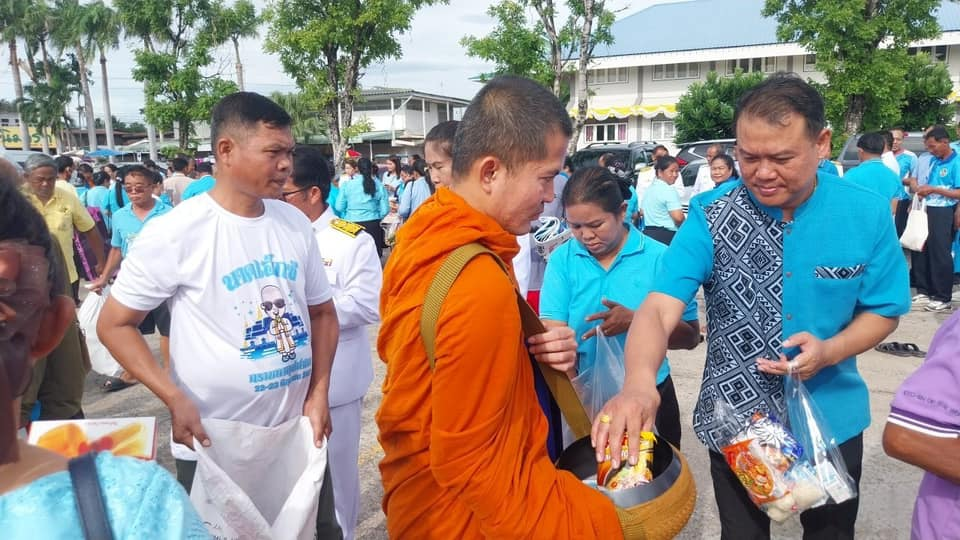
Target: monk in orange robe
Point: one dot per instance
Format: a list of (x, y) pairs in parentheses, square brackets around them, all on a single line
[(465, 443)]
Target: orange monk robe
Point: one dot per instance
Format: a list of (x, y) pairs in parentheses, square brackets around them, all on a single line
[(465, 444)]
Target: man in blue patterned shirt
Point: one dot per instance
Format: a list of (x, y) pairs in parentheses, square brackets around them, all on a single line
[(796, 280)]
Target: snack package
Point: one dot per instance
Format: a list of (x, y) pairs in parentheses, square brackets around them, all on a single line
[(771, 465), (627, 476), (133, 437)]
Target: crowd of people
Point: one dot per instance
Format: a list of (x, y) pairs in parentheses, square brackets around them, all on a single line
[(263, 272)]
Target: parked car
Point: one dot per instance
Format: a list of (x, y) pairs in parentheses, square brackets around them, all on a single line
[(692, 151), (637, 156), (848, 157)]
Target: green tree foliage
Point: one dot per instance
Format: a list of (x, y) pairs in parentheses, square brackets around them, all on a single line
[(861, 47), (325, 46), (705, 110), (515, 47), (927, 86), (307, 121), (234, 23), (178, 40), (70, 30), (43, 103), (102, 27)]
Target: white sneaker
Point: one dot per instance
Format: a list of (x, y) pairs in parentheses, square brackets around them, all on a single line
[(938, 306), (921, 299)]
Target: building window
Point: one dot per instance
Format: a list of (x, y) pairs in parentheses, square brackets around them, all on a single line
[(938, 53), (662, 129), (428, 106), (750, 65), (442, 112), (810, 62), (607, 76), (667, 72), (605, 132)]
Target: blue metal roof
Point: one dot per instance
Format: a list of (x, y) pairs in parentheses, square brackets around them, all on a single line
[(709, 24)]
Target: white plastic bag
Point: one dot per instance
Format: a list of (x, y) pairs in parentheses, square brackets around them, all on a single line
[(915, 233), (259, 483), (100, 358)]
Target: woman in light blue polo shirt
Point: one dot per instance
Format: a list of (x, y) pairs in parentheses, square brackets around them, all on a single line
[(602, 277), (363, 200), (662, 211)]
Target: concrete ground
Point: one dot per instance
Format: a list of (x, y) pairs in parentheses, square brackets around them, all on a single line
[(888, 487)]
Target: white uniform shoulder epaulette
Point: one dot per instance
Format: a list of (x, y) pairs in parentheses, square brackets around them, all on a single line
[(348, 228)]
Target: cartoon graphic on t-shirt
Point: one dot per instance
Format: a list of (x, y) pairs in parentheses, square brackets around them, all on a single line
[(276, 329), (274, 306)]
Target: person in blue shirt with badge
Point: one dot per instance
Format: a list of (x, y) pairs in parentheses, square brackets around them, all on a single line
[(363, 200), (801, 272), (872, 174), (138, 183), (662, 211), (599, 279), (933, 267)]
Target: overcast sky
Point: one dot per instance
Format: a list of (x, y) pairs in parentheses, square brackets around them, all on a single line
[(433, 60)]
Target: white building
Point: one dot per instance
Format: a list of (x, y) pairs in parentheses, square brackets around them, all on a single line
[(399, 118), (658, 52)]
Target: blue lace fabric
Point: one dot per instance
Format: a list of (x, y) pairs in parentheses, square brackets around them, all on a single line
[(142, 500)]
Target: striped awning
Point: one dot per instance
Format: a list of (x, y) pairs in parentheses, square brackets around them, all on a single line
[(646, 111)]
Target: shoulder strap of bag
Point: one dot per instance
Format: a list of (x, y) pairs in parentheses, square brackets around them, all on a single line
[(559, 385), (86, 487)]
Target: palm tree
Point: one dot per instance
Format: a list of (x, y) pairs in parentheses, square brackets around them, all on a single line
[(103, 27), (307, 122), (12, 13), (69, 31), (235, 23)]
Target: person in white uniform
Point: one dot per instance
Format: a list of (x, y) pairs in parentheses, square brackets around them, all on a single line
[(353, 269)]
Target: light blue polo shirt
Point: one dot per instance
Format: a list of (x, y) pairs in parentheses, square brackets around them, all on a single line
[(908, 168), (658, 201), (828, 166), (632, 205), (127, 226), (765, 280), (353, 203), (877, 177), (944, 173), (201, 185), (574, 284)]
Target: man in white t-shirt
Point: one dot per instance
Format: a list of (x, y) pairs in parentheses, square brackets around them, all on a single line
[(253, 327)]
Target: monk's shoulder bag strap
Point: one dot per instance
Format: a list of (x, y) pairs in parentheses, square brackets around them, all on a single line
[(559, 385)]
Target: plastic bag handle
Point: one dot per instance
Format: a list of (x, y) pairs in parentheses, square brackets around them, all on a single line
[(560, 387)]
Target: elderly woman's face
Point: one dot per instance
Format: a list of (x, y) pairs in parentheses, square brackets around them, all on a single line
[(42, 181)]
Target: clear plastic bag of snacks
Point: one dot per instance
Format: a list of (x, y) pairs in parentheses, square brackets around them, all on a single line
[(770, 463)]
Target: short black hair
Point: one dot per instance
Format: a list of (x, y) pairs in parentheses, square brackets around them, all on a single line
[(84, 167), (871, 143), (246, 110), (595, 185), (63, 163), (780, 95), (887, 137), (100, 178), (138, 170), (663, 162), (509, 118), (311, 169), (443, 134), (937, 133), (180, 164), (204, 167), (659, 147)]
